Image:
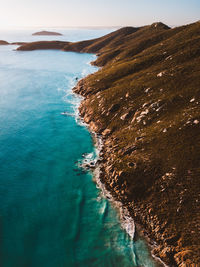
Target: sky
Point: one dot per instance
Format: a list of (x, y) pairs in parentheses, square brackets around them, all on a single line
[(73, 13)]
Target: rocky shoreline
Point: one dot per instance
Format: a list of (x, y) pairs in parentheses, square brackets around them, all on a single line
[(101, 177), (147, 222), (128, 222), (144, 101)]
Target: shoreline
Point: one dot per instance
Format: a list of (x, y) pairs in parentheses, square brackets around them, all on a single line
[(144, 101), (127, 222)]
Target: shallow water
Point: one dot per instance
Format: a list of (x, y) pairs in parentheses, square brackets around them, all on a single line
[(51, 213)]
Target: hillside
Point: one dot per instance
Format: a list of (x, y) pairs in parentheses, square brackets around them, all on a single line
[(145, 103), (2, 42), (42, 45), (14, 43)]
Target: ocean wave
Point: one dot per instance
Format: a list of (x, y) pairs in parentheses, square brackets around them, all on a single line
[(67, 114), (73, 102), (127, 222), (88, 161)]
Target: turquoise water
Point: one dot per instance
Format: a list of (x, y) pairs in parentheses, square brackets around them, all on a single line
[(51, 212)]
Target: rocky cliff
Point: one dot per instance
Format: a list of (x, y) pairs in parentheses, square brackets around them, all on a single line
[(145, 102)]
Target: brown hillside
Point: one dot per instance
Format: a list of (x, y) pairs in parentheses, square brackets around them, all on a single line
[(145, 102)]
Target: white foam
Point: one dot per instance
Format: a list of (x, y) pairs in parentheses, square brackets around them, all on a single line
[(88, 161), (127, 222)]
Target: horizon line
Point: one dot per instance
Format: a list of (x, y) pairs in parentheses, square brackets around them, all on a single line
[(87, 27)]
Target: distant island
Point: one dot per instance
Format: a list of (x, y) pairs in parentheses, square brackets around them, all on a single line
[(46, 33)]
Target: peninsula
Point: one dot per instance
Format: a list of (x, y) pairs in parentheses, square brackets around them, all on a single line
[(145, 103), (2, 42)]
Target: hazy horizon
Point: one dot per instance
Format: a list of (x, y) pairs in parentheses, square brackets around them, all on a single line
[(96, 14)]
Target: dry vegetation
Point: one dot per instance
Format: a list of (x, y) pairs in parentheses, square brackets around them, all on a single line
[(145, 101)]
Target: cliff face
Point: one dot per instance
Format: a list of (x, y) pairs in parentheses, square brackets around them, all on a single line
[(145, 102)]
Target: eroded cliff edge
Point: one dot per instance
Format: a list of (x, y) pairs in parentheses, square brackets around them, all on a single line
[(145, 102)]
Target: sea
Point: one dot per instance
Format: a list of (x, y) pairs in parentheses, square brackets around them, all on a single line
[(52, 212)]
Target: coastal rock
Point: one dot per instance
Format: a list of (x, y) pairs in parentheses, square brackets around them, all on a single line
[(126, 115), (106, 132), (135, 117), (114, 108), (161, 74), (95, 126)]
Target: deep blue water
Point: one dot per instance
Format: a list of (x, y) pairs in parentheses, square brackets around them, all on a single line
[(51, 213)]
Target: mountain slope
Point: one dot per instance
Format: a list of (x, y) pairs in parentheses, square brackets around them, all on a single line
[(145, 102)]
